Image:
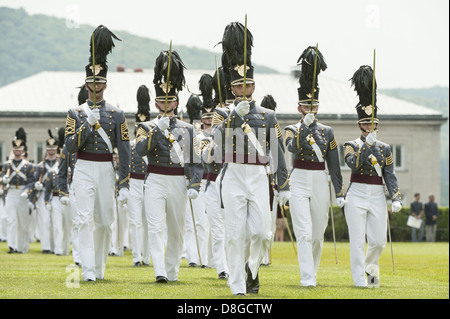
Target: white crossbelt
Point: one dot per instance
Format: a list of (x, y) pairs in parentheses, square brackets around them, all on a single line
[(16, 170), (49, 169), (100, 131)]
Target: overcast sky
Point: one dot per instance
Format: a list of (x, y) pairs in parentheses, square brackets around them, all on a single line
[(410, 36)]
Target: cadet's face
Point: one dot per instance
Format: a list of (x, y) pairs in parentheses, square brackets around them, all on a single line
[(18, 153), (51, 151), (99, 89), (171, 106), (238, 90), (367, 127), (305, 109), (207, 121)]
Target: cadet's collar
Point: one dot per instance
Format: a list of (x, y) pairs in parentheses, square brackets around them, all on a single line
[(100, 103)]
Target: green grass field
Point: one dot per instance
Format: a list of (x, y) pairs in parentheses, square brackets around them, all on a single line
[(421, 272)]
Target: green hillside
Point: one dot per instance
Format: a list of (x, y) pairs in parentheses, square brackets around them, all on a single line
[(35, 43)]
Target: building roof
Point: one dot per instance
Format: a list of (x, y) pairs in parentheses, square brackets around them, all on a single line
[(54, 92)]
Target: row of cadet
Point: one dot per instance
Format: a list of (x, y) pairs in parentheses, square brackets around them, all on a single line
[(242, 193)]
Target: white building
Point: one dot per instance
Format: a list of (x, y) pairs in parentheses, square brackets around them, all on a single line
[(40, 102)]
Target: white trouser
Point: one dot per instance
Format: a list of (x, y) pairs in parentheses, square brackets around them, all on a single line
[(75, 225), (62, 226), (366, 215), (18, 217), (138, 223), (33, 227), (217, 228), (165, 208), (94, 186), (119, 229), (45, 224), (273, 215), (245, 195), (309, 206), (3, 221), (201, 226)]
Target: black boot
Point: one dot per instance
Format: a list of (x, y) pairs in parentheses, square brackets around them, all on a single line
[(252, 284)]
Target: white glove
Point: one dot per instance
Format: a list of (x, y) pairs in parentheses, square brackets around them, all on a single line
[(123, 196), (340, 201), (309, 119), (164, 123), (30, 205), (396, 206), (5, 180), (283, 197), (94, 116), (48, 206), (242, 108), (192, 193), (24, 194), (38, 186), (64, 200), (371, 138)]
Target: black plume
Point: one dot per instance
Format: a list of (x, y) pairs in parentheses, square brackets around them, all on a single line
[(307, 60), (61, 133), (82, 94), (194, 107), (103, 42), (176, 70), (269, 102), (362, 80), (21, 135), (50, 133), (143, 99), (233, 45), (206, 87)]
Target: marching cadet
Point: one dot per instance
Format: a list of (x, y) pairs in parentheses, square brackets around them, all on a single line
[(119, 227), (44, 169), (275, 210), (172, 165), (197, 238), (214, 211), (67, 197), (65, 186), (18, 179), (371, 161), (138, 171), (61, 218), (313, 144), (92, 131), (3, 224), (244, 187)]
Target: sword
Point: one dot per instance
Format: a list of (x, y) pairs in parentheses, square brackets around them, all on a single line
[(97, 124), (288, 228), (373, 89), (168, 77), (314, 78), (218, 84), (195, 233), (332, 220), (245, 59)]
